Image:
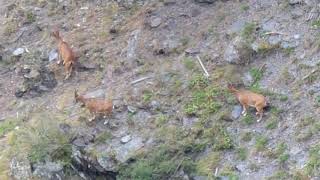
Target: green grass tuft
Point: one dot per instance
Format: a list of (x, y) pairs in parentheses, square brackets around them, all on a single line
[(206, 165), (313, 165), (248, 119), (242, 153), (8, 125), (189, 63), (261, 143), (248, 32)]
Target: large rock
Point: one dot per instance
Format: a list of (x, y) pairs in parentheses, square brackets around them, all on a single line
[(36, 82), (117, 152), (132, 44), (83, 140), (49, 170), (238, 52), (20, 169)]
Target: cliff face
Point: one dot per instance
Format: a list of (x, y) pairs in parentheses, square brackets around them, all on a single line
[(170, 121)]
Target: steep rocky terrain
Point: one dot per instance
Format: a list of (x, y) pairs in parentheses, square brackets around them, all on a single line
[(170, 121)]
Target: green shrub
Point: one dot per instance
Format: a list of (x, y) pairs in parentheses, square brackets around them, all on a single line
[(159, 163), (43, 140)]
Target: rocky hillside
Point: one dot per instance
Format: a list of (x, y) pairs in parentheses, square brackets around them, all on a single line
[(170, 120)]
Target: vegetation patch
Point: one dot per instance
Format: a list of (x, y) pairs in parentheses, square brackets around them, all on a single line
[(219, 137), (248, 119), (161, 119), (146, 96), (189, 63), (247, 136), (205, 99), (256, 75), (43, 140), (242, 153), (8, 125), (315, 24), (248, 32), (279, 175), (261, 143), (103, 137), (272, 123), (160, 163), (207, 164), (265, 48), (313, 165), (230, 172)]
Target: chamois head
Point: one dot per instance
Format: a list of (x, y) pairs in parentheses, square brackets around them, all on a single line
[(55, 34), (230, 86)]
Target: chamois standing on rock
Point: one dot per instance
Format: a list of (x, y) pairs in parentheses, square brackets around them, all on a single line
[(248, 98), (97, 107), (65, 54)]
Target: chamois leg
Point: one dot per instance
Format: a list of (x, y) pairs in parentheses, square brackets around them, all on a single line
[(68, 70), (244, 110), (59, 58), (260, 113), (93, 118)]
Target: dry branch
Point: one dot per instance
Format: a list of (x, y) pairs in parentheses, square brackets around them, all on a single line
[(203, 68)]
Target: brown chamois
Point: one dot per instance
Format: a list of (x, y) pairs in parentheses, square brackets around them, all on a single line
[(97, 107), (65, 54), (248, 98)]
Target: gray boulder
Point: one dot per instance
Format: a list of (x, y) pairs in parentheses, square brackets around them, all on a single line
[(20, 169), (49, 170), (238, 52)]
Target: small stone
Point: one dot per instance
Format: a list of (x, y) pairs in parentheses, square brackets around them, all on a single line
[(247, 79), (53, 54), (155, 105), (83, 140), (155, 22), (205, 1), (65, 128), (84, 8), (297, 36), (34, 74), (126, 139), (255, 46), (241, 167), (236, 112), (169, 2), (19, 93), (192, 51), (18, 51), (132, 109)]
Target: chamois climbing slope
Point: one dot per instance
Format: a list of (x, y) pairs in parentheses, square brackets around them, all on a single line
[(169, 119)]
